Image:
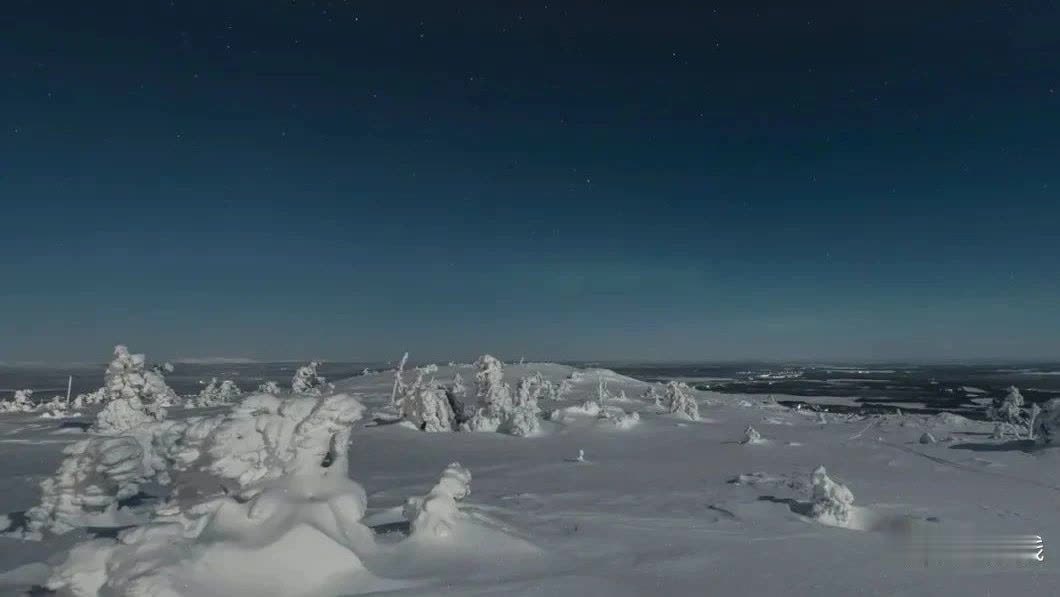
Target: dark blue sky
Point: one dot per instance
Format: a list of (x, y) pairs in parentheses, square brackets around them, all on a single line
[(570, 180)]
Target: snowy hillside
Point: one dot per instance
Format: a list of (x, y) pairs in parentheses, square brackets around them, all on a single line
[(532, 479)]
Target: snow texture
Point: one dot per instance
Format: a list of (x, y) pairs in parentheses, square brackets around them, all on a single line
[(288, 502)]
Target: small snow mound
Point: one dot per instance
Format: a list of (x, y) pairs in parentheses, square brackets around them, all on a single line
[(951, 420), (622, 419), (927, 438), (752, 436)]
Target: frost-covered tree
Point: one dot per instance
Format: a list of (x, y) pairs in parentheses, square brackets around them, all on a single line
[(270, 387), (832, 502), (283, 465), (523, 420), (134, 395), (1047, 425), (127, 377), (399, 383), (21, 402), (436, 514), (426, 405), (680, 401), (96, 474), (90, 399), (602, 396), (56, 408), (566, 386), (1008, 408), (494, 396), (458, 388), (652, 395), (751, 436), (308, 382), (216, 394)]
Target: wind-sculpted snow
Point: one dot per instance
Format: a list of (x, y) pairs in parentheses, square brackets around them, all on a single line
[(832, 502), (287, 500), (21, 402), (436, 513), (125, 414), (95, 475)]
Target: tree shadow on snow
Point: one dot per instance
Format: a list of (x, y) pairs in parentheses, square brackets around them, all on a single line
[(80, 425), (381, 422), (17, 522), (402, 527), (107, 532), (1016, 445), (800, 508)]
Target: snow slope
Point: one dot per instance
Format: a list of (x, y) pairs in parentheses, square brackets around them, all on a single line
[(667, 505)]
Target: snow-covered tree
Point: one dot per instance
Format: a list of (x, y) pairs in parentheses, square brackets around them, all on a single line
[(21, 402), (282, 463), (603, 396), (95, 475), (270, 387), (426, 405), (523, 420), (308, 382), (436, 514), (680, 400), (751, 436), (90, 399), (216, 394), (135, 396), (494, 396), (1007, 409), (56, 408), (458, 388), (1047, 425), (399, 383), (652, 395), (566, 386), (832, 502)]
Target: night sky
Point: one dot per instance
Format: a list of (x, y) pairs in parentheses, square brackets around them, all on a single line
[(564, 180)]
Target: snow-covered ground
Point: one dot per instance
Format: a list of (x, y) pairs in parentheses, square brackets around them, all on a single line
[(588, 505)]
